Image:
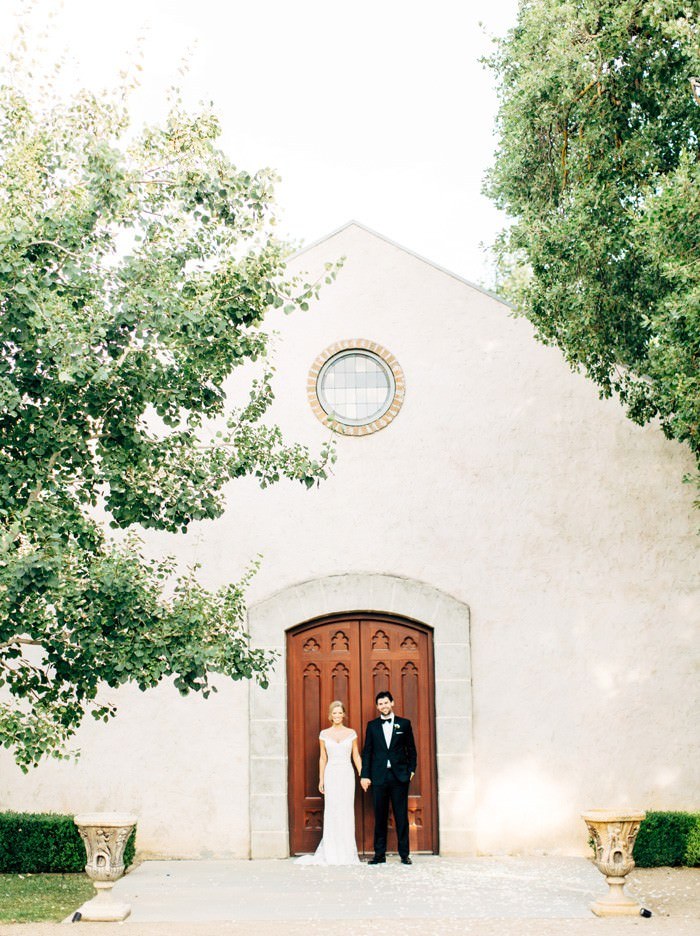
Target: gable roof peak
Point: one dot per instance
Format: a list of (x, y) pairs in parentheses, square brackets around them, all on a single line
[(387, 240)]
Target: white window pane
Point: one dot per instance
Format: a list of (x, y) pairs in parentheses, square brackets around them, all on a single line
[(356, 387)]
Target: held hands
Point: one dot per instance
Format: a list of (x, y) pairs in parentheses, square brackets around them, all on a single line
[(365, 783)]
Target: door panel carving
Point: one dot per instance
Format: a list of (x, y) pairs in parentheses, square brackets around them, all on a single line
[(380, 641), (340, 641), (354, 657), (381, 679), (341, 683), (312, 697)]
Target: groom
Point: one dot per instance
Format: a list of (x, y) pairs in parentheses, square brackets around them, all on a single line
[(388, 766)]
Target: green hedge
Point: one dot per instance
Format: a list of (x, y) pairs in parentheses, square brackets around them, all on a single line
[(32, 843), (667, 839)]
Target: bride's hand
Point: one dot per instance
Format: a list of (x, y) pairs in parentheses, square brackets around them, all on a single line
[(320, 787)]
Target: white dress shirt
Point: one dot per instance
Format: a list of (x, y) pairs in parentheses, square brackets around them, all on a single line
[(387, 728)]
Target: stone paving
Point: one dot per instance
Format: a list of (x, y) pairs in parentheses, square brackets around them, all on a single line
[(431, 888), (470, 897)]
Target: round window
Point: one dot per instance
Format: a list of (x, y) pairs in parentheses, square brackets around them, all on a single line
[(356, 387)]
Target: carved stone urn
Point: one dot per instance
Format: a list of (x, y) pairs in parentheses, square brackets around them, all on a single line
[(105, 836), (613, 832)]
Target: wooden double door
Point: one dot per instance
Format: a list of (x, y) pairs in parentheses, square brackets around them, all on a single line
[(352, 657)]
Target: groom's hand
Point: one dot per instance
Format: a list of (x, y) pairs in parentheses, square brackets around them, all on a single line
[(365, 783), (411, 777)]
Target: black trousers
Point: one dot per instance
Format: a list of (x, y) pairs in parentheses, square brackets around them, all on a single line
[(396, 791)]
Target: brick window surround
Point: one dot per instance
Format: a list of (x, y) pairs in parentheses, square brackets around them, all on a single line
[(357, 344)]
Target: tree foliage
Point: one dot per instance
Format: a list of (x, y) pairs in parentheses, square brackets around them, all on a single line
[(598, 167), (135, 272)]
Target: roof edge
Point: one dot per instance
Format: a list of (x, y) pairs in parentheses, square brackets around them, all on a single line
[(412, 253)]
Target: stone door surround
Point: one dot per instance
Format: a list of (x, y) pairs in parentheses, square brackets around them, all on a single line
[(268, 622)]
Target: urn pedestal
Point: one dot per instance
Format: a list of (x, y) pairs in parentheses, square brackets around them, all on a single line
[(613, 832), (105, 836)]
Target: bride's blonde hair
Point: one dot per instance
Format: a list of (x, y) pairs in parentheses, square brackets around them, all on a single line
[(335, 705)]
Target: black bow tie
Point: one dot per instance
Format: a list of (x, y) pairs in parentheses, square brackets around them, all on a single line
[(387, 719)]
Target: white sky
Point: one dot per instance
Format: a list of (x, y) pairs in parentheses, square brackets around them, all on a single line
[(375, 110)]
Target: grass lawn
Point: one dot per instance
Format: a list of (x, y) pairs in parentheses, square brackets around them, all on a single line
[(33, 898)]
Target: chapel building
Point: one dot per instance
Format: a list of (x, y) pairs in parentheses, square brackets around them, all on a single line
[(505, 551)]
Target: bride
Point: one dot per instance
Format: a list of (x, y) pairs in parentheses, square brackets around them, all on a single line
[(337, 783)]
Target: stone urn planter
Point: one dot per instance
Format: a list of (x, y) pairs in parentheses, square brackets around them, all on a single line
[(613, 832), (105, 836)]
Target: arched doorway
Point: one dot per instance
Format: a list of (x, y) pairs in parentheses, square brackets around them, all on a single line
[(351, 657)]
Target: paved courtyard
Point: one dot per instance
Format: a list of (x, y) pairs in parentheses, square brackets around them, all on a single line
[(477, 897), (432, 887)]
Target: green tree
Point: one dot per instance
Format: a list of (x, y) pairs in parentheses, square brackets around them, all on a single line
[(135, 272), (598, 168)]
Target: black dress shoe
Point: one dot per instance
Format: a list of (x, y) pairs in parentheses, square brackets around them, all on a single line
[(406, 860), (377, 860)]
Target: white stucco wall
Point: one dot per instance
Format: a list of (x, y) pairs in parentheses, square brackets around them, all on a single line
[(179, 764), (503, 482)]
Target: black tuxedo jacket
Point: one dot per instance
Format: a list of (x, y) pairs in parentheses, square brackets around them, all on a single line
[(401, 752)]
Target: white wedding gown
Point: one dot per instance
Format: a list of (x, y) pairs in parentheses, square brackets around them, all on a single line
[(337, 847)]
